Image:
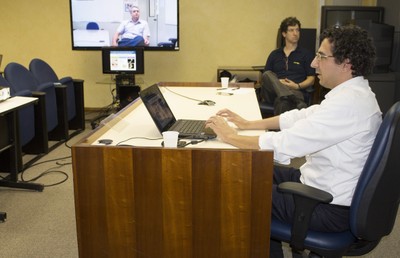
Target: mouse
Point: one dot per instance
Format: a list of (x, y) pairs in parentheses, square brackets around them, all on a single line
[(106, 141), (207, 102)]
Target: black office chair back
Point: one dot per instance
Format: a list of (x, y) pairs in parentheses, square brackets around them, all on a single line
[(377, 195)]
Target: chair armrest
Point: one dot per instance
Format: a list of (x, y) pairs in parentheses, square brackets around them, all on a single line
[(306, 198), (66, 80), (305, 191)]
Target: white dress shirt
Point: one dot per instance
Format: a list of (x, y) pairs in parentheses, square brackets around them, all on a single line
[(335, 137), (130, 29)]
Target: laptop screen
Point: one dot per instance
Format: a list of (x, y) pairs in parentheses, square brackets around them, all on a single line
[(157, 107)]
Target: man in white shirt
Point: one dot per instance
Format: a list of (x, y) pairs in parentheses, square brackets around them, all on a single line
[(335, 137), (133, 32)]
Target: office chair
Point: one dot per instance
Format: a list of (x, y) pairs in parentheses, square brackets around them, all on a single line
[(20, 78), (170, 44), (92, 26), (373, 209)]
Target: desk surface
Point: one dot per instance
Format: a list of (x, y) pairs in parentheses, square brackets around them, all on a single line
[(137, 127), (84, 38), (15, 102)]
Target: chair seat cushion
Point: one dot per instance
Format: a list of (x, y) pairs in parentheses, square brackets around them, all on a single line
[(315, 240)]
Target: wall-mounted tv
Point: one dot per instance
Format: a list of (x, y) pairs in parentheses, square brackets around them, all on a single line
[(123, 60), (94, 23)]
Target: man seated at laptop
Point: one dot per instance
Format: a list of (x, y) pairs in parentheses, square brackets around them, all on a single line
[(335, 136)]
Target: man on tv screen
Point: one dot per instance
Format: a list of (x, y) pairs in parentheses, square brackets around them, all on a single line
[(133, 32)]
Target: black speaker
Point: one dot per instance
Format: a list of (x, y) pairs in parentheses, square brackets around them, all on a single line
[(127, 94)]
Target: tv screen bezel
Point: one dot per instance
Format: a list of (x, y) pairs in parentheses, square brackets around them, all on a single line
[(105, 59), (146, 48)]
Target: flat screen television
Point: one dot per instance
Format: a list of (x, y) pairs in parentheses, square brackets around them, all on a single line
[(123, 60), (94, 22)]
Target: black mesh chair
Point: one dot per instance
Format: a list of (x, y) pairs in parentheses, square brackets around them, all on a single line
[(373, 209)]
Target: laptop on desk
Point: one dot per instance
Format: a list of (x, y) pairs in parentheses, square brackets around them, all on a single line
[(165, 120)]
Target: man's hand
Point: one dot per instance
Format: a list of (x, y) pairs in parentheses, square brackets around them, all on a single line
[(230, 116)]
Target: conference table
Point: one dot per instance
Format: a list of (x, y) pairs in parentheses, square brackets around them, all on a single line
[(134, 198)]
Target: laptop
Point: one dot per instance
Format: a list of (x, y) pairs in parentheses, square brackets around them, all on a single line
[(165, 120)]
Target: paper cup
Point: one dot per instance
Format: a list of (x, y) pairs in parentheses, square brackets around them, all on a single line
[(170, 139), (224, 82)]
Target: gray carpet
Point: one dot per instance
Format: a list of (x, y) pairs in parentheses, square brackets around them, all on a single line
[(42, 224)]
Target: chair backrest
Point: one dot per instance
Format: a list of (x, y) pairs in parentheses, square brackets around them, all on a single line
[(20, 78), (4, 82), (42, 71), (376, 198), (92, 26)]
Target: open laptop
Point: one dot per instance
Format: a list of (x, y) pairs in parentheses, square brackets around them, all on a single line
[(165, 119)]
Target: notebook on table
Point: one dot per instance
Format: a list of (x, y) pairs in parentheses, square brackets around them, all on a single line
[(165, 120)]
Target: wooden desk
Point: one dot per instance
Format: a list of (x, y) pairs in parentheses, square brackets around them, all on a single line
[(166, 202)]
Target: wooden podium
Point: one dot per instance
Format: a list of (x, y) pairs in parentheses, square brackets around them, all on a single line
[(158, 202), (154, 202)]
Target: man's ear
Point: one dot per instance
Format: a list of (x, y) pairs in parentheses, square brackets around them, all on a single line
[(347, 64)]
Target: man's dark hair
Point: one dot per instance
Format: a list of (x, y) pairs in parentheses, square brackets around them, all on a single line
[(289, 21), (352, 43)]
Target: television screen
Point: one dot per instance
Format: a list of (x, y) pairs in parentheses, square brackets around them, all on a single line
[(153, 24), (123, 60)]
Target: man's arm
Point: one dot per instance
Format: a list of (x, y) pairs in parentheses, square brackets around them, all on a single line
[(309, 81), (115, 39)]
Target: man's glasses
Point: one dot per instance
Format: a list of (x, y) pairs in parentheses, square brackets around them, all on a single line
[(321, 56)]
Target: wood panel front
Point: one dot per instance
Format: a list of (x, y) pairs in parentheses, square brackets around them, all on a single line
[(159, 202)]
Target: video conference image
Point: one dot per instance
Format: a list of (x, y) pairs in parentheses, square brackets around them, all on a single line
[(125, 23)]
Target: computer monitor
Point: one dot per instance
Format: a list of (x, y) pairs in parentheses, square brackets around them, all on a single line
[(123, 60)]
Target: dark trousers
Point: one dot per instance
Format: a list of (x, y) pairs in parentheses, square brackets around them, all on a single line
[(272, 88), (326, 217)]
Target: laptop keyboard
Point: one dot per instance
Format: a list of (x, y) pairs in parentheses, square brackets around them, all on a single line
[(189, 126)]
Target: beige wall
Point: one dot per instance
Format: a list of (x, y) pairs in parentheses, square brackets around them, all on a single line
[(212, 33)]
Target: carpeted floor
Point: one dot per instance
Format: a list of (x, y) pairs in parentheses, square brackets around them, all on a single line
[(42, 224)]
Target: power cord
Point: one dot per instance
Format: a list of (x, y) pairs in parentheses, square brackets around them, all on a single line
[(193, 142), (186, 97)]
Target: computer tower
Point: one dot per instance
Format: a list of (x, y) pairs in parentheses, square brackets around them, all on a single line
[(127, 91)]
